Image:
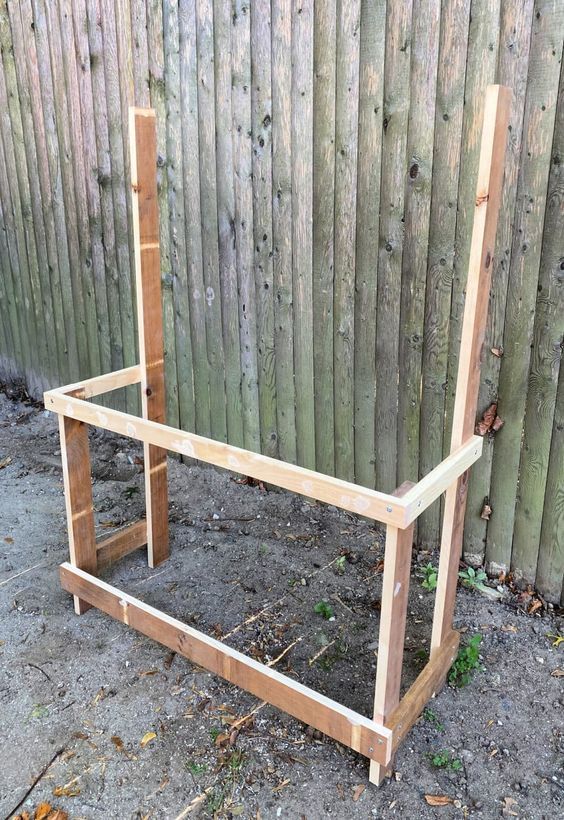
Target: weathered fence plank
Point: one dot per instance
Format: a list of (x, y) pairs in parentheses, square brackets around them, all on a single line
[(316, 168)]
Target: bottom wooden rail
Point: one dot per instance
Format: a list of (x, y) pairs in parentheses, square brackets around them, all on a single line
[(120, 543), (342, 724)]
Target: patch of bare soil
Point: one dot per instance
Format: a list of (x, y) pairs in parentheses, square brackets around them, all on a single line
[(101, 722)]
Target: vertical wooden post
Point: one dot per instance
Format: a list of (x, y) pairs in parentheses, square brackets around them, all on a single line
[(75, 454), (488, 197), (395, 593), (143, 147)]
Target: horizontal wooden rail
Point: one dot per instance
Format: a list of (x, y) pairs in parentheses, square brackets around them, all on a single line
[(347, 727), (121, 543), (104, 384), (426, 685), (388, 509), (343, 494), (431, 486)]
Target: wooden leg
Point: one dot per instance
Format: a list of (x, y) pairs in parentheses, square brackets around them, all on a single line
[(156, 499), (143, 146), (75, 454), (395, 591)]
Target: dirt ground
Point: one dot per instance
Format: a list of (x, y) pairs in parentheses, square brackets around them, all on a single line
[(78, 695)]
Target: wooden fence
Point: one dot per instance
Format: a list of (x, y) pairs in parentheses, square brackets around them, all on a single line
[(317, 166)]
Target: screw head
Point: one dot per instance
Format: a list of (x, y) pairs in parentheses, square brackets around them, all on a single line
[(388, 509)]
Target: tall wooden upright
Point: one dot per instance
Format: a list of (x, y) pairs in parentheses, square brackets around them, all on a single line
[(488, 197), (143, 145)]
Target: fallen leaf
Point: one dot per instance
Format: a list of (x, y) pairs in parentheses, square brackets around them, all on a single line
[(42, 811), (488, 418), (558, 673), (509, 628), (510, 804), (438, 799), (497, 351), (69, 790), (5, 462), (147, 738), (498, 424), (357, 791), (558, 639), (118, 742), (281, 785), (58, 814), (534, 606), (486, 510), (8, 539), (167, 663)]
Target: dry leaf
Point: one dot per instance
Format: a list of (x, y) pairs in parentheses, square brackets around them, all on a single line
[(147, 738), (510, 804), (497, 424), (357, 791), (281, 785), (70, 790), (58, 814), (497, 351), (118, 742), (488, 419), (534, 606), (42, 811), (438, 799), (558, 673), (509, 628), (5, 462), (486, 510), (8, 539)]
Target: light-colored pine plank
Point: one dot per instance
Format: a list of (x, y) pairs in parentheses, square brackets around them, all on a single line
[(120, 543), (486, 208), (75, 455), (344, 725), (143, 150), (391, 636)]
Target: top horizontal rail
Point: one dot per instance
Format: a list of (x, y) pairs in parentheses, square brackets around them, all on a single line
[(383, 507), (104, 384)]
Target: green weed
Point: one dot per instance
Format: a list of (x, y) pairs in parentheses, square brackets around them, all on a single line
[(443, 760), (324, 609), (430, 574), (432, 718), (467, 662)]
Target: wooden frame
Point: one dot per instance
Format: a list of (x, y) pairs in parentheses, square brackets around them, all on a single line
[(376, 738)]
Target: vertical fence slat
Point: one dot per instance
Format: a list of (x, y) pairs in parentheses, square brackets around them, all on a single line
[(540, 111), (370, 117), (155, 64), (302, 209), (32, 190), (261, 102), (184, 214), (483, 38), (324, 66), (423, 84), (513, 59), (396, 110), (12, 134), (208, 204), (226, 221), (546, 356), (346, 145), (550, 569), (282, 225), (103, 177), (449, 104), (91, 181), (243, 218)]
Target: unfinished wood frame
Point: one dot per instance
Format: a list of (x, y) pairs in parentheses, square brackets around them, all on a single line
[(376, 738)]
